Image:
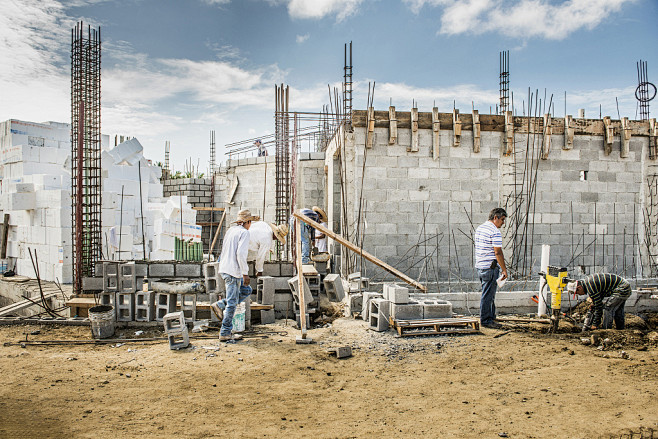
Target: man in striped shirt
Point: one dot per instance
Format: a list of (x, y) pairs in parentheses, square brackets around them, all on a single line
[(489, 261), (608, 293)]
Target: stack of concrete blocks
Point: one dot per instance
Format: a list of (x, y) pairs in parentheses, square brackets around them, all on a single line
[(144, 306), (165, 303), (314, 284), (214, 284), (333, 287), (197, 191), (110, 277), (402, 308), (380, 311), (265, 291), (357, 283), (176, 329), (367, 298), (125, 296), (308, 299)]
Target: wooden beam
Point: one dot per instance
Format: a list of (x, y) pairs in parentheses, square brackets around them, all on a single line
[(4, 236), (370, 135), (476, 131), (436, 133), (456, 128), (546, 144), (625, 138), (219, 228), (392, 126), (608, 135), (345, 243), (301, 293), (413, 147), (568, 132)]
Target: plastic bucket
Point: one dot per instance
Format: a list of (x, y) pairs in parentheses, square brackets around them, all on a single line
[(238, 318), (102, 321)]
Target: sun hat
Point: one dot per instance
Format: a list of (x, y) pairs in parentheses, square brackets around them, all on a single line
[(322, 213), (280, 232), (245, 215)]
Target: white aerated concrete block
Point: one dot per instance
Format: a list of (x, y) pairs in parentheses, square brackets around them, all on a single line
[(396, 293)]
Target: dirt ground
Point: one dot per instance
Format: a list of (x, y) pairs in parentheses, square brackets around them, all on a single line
[(522, 384)]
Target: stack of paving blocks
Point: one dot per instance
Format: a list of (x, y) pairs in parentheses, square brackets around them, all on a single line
[(265, 289), (379, 314), (176, 329), (333, 286)]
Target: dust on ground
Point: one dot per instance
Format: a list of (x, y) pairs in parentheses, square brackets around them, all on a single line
[(522, 384)]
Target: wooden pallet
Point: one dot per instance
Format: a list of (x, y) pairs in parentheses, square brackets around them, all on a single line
[(462, 325)]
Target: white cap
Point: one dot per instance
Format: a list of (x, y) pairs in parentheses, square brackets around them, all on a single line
[(571, 286)]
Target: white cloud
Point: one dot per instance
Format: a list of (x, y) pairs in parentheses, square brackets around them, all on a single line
[(217, 2), (316, 9), (520, 18), (301, 38)]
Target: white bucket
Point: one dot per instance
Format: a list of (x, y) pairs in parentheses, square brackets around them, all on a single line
[(238, 317)]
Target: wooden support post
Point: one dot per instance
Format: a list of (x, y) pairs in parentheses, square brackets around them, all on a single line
[(653, 139), (625, 138), (436, 128), (608, 135), (300, 277), (476, 131), (413, 147), (4, 236), (548, 130), (370, 135), (509, 132), (456, 128), (345, 243), (219, 228), (568, 132), (392, 126)]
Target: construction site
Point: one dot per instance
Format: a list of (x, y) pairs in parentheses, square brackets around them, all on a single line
[(111, 263)]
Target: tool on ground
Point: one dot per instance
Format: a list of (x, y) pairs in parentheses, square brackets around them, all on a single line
[(556, 281)]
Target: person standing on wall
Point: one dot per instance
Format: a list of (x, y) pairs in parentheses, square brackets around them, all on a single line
[(321, 238), (235, 272), (489, 262)]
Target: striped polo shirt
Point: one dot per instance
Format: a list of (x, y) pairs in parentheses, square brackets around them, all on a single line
[(487, 236), (600, 285)]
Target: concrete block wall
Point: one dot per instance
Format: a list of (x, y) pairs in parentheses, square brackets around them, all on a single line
[(421, 212), (198, 193)]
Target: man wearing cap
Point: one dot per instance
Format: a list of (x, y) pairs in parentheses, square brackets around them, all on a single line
[(321, 238), (489, 261), (235, 272), (261, 237), (608, 293)]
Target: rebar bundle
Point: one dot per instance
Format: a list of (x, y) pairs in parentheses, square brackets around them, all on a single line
[(167, 170), (282, 161), (642, 93), (85, 151), (212, 153), (347, 86), (503, 62)]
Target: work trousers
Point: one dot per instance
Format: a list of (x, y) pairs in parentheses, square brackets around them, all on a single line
[(613, 309), (306, 243), (236, 292), (488, 279)]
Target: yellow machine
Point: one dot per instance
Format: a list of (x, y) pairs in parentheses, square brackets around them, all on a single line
[(556, 281)]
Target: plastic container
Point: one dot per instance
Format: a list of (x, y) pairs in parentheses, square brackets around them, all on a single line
[(238, 317), (102, 321)]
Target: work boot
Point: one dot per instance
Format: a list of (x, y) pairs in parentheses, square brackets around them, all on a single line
[(230, 337), (493, 325), (219, 312)]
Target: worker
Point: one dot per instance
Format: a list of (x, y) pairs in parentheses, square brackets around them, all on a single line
[(307, 235), (235, 272), (608, 293), (262, 150), (489, 261), (321, 238), (261, 237)]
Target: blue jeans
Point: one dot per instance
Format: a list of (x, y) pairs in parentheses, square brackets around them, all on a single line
[(236, 293), (306, 243), (488, 279)]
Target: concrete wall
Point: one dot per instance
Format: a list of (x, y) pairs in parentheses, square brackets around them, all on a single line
[(420, 213)]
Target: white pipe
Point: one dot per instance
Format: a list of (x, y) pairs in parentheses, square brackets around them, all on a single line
[(543, 292)]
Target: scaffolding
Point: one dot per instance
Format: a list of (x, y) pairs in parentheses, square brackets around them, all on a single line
[(503, 62), (85, 151)]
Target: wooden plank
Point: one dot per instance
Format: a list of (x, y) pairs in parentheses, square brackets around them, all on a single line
[(4, 236), (300, 276), (436, 133), (456, 128), (476, 131), (393, 126), (219, 228), (413, 146), (234, 188), (345, 243), (214, 209)]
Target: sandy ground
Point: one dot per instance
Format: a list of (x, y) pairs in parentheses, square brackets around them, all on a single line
[(524, 384)]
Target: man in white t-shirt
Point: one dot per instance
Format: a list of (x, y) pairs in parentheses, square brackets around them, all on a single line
[(261, 237)]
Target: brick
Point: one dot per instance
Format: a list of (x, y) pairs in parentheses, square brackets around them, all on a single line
[(409, 311), (333, 286), (396, 293), (267, 316)]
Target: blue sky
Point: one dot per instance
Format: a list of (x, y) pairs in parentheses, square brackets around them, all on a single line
[(175, 69)]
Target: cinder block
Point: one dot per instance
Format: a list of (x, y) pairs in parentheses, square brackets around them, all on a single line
[(179, 340), (308, 297), (125, 307), (396, 293), (107, 299), (188, 306), (409, 311), (321, 267), (354, 303), (127, 278), (437, 309), (358, 283), (161, 270), (211, 269), (187, 269), (92, 284), (344, 352), (267, 316), (367, 297), (213, 297), (333, 286), (377, 318), (144, 306), (141, 269), (174, 322), (286, 269), (308, 320), (265, 289), (272, 269), (110, 276), (164, 304)]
